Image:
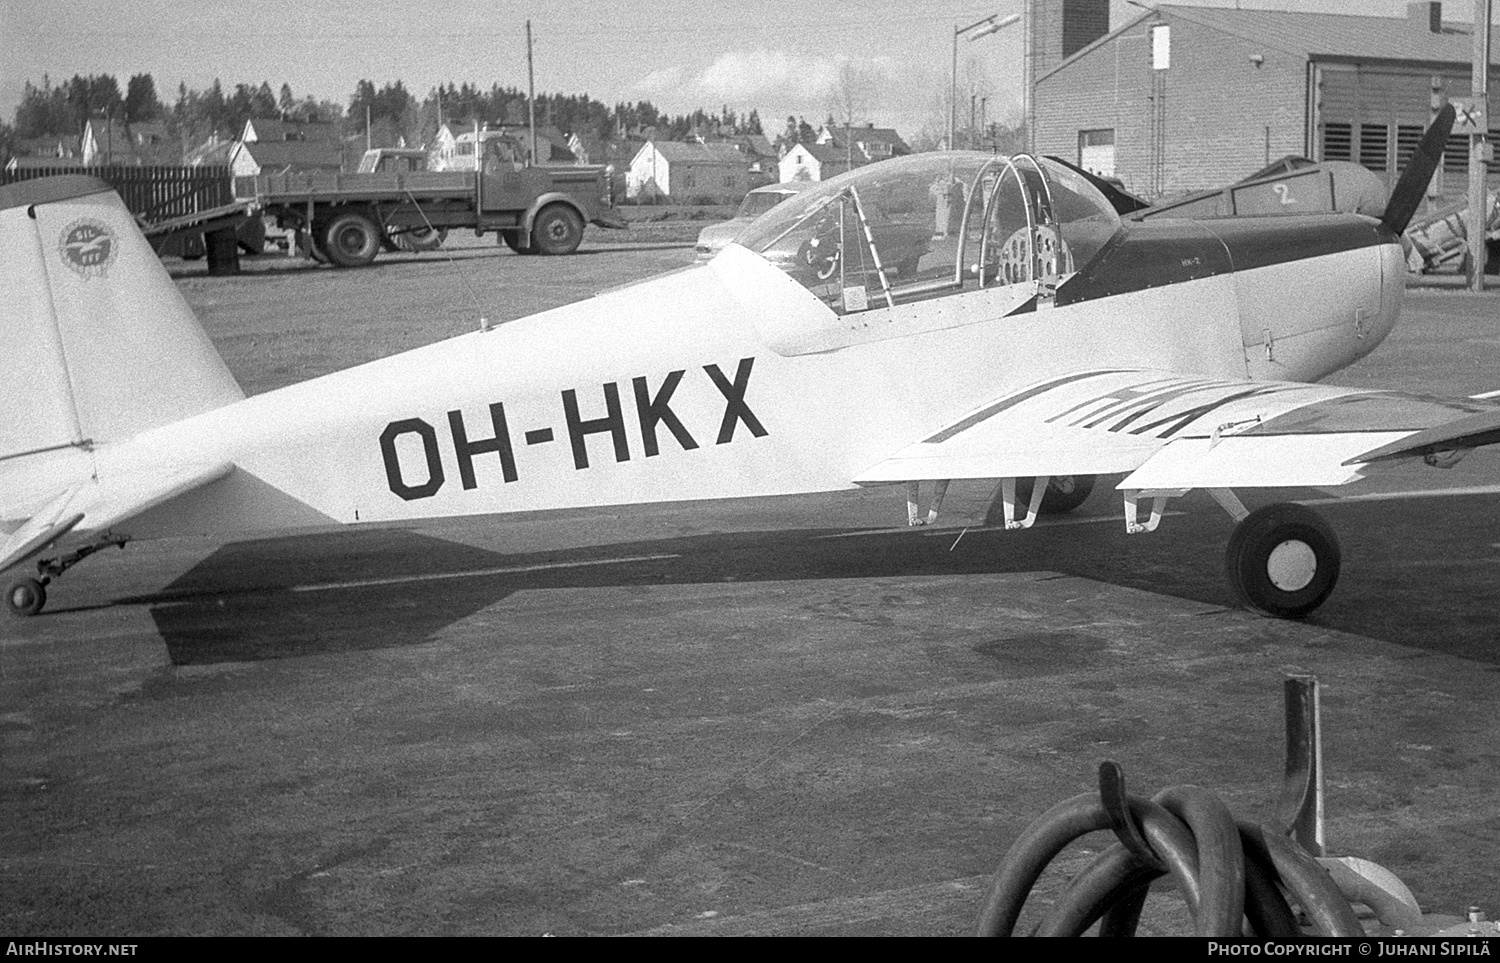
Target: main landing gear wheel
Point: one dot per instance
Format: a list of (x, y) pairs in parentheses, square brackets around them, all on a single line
[(1282, 560), (26, 597), (1064, 493)]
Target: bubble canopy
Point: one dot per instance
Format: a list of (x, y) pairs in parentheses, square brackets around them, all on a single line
[(934, 224)]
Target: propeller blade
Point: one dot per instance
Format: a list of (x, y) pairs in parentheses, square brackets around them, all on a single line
[(1412, 186)]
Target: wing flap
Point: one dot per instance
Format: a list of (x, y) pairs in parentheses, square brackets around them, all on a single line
[(1250, 461)]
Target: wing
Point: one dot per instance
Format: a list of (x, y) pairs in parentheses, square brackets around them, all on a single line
[(1174, 432), (97, 504)]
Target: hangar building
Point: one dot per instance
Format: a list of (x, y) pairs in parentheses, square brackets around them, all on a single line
[(1186, 98)]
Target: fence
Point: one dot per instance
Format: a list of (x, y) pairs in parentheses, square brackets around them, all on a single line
[(151, 193)]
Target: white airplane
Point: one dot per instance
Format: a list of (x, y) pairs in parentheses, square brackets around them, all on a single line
[(935, 317)]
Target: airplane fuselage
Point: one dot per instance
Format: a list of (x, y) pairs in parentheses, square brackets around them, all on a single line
[(727, 380)]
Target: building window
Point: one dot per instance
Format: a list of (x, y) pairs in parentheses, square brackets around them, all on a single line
[(1456, 154), (1408, 136), (1374, 142), (1096, 151), (1338, 142)]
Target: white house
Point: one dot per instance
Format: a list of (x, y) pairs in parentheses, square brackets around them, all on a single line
[(108, 142), (814, 162), (869, 143), (253, 157), (719, 172), (274, 130)]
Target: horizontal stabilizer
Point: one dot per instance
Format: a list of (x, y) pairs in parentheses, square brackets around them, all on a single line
[(98, 505), (41, 530)]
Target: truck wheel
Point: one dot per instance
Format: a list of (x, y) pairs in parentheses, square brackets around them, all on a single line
[(352, 240), (513, 241), (422, 239), (556, 230)]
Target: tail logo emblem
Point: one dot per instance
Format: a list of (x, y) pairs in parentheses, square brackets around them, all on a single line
[(88, 247)]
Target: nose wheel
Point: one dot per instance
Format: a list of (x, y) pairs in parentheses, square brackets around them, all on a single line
[(26, 597), (1282, 561)]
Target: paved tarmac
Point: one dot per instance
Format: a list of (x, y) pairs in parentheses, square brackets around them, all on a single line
[(768, 716)]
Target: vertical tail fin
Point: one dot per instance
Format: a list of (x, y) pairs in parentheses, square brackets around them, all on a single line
[(99, 344)]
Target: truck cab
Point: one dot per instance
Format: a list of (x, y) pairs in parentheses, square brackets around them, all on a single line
[(394, 160)]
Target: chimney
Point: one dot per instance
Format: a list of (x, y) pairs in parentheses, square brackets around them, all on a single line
[(1059, 30), (1427, 15), (1084, 21)]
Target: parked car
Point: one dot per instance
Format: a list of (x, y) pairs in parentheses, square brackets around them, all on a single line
[(712, 239)]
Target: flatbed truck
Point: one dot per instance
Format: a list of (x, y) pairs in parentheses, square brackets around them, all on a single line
[(395, 202)]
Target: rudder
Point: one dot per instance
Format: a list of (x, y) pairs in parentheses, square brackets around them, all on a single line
[(100, 344)]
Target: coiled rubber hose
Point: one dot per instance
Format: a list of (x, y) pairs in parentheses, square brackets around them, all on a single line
[(1228, 871)]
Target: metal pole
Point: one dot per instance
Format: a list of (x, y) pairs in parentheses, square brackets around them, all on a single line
[(953, 90), (1300, 809), (531, 91), (1028, 96), (994, 25), (1479, 147)]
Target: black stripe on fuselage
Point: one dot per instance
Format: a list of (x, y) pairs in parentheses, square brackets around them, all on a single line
[(1156, 253)]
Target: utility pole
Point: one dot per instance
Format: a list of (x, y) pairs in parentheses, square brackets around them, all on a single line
[(1028, 78), (984, 27), (531, 91), (1480, 149)]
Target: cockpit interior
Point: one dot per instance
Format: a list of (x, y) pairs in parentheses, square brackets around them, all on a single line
[(932, 225)]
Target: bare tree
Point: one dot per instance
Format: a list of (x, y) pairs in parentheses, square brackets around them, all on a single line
[(853, 93), (973, 86)]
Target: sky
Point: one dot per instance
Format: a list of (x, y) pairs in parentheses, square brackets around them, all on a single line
[(778, 58)]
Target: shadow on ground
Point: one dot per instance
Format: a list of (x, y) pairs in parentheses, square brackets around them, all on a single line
[(1421, 574)]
